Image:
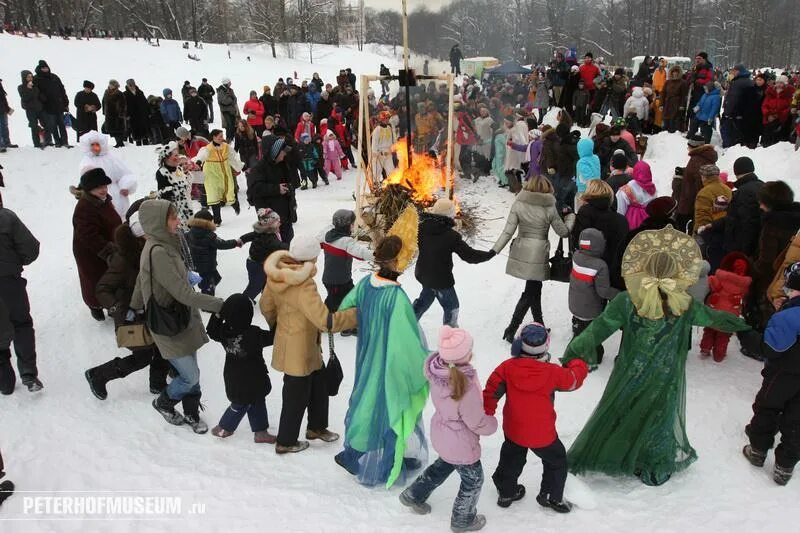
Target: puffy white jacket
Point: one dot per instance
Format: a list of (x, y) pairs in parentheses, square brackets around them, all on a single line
[(638, 103), (115, 168)]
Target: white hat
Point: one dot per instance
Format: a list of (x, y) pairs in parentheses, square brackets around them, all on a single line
[(782, 79), (443, 207), (304, 249), (135, 225), (226, 81)]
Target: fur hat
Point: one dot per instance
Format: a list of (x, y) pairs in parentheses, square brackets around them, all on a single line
[(130, 82), (443, 207), (114, 83), (343, 218), (306, 116), (269, 219), (776, 194), (304, 249), (87, 84), (93, 178), (226, 81), (455, 345), (533, 340), (703, 55), (743, 165), (661, 207), (709, 171)]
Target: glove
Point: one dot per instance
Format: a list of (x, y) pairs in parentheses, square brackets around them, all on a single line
[(696, 108), (130, 316), (551, 171), (193, 277)]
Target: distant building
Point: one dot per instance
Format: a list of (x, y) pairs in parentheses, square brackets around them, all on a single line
[(349, 25)]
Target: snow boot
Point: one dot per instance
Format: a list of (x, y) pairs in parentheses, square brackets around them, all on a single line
[(323, 435), (756, 457), (264, 437), (166, 406), (191, 413), (304, 185), (33, 384), (477, 524), (6, 490), (97, 314), (99, 376), (560, 507), (350, 332), (217, 210), (414, 505), (781, 475), (506, 502), (7, 376), (217, 431), (294, 448), (236, 207), (516, 320)]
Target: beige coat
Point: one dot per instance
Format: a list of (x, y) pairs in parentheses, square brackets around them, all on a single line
[(775, 290), (533, 214), (296, 313), (169, 282)]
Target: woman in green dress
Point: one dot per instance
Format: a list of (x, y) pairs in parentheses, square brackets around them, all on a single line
[(639, 427)]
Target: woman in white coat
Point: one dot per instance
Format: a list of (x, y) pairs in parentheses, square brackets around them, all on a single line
[(517, 133), (123, 180)]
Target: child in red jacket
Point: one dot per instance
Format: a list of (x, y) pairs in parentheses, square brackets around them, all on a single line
[(729, 285), (529, 420)]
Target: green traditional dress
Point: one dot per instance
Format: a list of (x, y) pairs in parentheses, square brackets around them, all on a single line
[(639, 427), (390, 389)]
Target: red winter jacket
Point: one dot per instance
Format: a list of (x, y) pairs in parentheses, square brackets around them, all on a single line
[(730, 283), (588, 73), (777, 104), (528, 416), (254, 105)]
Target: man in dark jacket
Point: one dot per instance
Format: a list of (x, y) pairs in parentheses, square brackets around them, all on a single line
[(455, 60), (18, 248), (206, 92), (741, 111), (138, 111), (55, 100), (269, 184), (324, 108), (5, 111), (87, 104), (609, 145), (558, 74), (195, 111), (115, 111), (228, 108), (269, 102), (34, 109), (294, 107), (438, 241)]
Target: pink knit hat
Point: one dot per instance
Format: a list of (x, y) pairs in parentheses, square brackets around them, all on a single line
[(455, 345)]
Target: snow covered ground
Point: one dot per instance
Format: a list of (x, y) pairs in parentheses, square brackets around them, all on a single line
[(63, 439)]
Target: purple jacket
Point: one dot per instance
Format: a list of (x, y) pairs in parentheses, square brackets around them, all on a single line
[(456, 425), (534, 154)]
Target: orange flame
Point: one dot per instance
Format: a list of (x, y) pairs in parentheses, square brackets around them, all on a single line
[(425, 178)]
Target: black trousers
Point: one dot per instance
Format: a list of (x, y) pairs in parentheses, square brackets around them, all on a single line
[(336, 293), (15, 297), (532, 295), (512, 460), (777, 408), (146, 357), (578, 325), (301, 393)]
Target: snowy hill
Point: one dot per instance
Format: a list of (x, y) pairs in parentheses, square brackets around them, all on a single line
[(63, 439)]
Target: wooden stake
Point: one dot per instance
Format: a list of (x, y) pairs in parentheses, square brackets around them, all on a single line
[(450, 148)]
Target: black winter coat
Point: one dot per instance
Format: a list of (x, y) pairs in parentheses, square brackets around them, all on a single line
[(30, 99), (139, 113), (438, 241), (4, 107), (742, 225), (270, 104), (86, 120), (263, 187), (115, 111), (605, 151), (206, 92), (263, 243), (324, 109), (195, 112), (777, 229), (51, 91), (18, 246), (784, 356), (204, 243), (245, 374), (597, 213), (567, 156)]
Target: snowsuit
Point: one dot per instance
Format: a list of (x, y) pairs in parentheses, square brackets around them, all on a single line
[(333, 153), (499, 158), (580, 104), (115, 168), (203, 245), (729, 286), (707, 113)]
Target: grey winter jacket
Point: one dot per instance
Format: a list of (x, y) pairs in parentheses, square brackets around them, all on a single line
[(532, 213), (589, 283), (18, 246), (700, 289), (226, 99), (169, 282)]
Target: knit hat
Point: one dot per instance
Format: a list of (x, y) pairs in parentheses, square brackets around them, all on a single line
[(743, 165), (782, 79), (226, 81), (661, 207), (88, 85), (277, 146), (695, 140), (791, 277), (236, 315), (708, 171), (776, 194), (135, 225), (443, 207), (619, 161), (304, 249), (182, 133), (455, 345), (204, 214), (93, 178), (343, 218), (166, 92), (268, 217), (533, 340), (130, 81), (304, 136)]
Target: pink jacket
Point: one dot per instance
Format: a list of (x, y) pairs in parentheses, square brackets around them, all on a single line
[(457, 425), (332, 150)]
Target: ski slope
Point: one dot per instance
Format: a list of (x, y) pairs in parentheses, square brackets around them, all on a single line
[(64, 439)]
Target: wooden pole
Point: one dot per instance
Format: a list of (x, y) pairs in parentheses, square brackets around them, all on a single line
[(408, 88), (450, 151), (360, 175)]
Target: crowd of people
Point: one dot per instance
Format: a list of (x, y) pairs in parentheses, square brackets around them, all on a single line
[(651, 263)]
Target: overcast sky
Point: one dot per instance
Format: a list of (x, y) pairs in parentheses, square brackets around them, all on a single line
[(433, 5)]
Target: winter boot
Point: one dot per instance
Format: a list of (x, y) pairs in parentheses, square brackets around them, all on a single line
[(264, 437), (294, 448), (781, 475), (414, 505), (350, 332), (304, 185), (33, 384), (505, 502), (217, 431), (99, 376), (97, 314), (323, 435), (166, 406), (6, 490), (7, 376), (516, 319), (217, 210), (191, 413), (756, 457), (477, 524)]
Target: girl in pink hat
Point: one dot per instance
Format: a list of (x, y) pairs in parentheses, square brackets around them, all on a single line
[(456, 428)]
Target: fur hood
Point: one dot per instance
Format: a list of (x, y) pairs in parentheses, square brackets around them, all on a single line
[(675, 72), (91, 137), (702, 150), (536, 198), (284, 272), (200, 223)]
